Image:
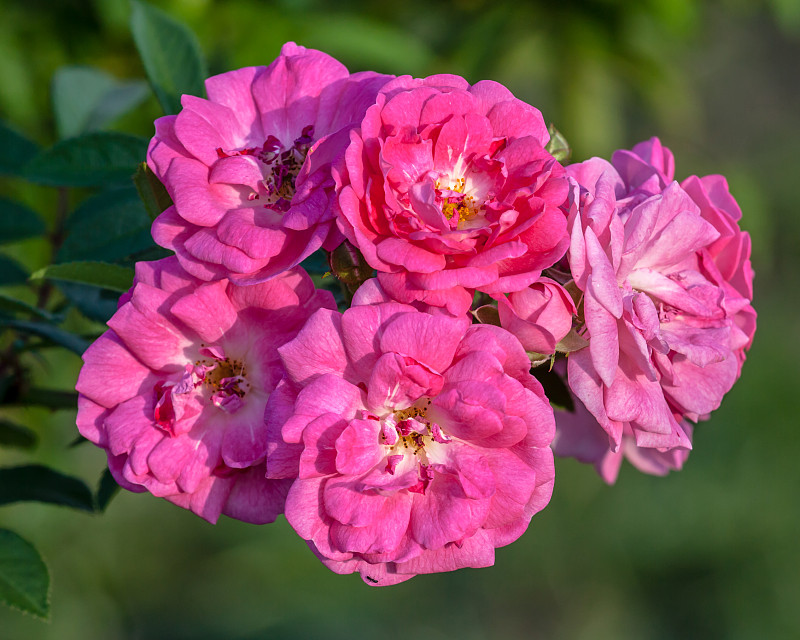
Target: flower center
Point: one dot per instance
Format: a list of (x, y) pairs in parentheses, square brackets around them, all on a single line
[(225, 378), (457, 206), (410, 431), (221, 376), (282, 166)]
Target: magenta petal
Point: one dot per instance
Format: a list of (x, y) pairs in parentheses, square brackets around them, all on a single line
[(357, 449), (412, 335), (303, 509), (103, 359), (476, 551), (445, 515), (149, 335), (255, 499), (244, 443), (319, 456), (383, 533), (399, 381), (327, 393), (207, 311), (317, 349)]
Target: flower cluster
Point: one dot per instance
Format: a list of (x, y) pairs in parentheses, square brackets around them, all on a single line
[(405, 430)]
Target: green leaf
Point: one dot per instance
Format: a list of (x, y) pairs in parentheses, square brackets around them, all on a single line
[(152, 193), (24, 580), (554, 388), (106, 491), (558, 147), (109, 226), (98, 274), (170, 53), (573, 341), (317, 262), (50, 398), (38, 483), (87, 99), (123, 98), (11, 272), (7, 303), (18, 222), (96, 304), (49, 332), (78, 441), (15, 151), (15, 435), (93, 159)]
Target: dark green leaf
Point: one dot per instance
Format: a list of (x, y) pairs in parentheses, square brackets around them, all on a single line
[(98, 274), (558, 147), (76, 91), (109, 226), (11, 272), (124, 97), (573, 341), (96, 304), (9, 304), (15, 435), (15, 151), (18, 222), (330, 283), (86, 99), (317, 262), (50, 332), (152, 253), (50, 398), (106, 490), (38, 483), (79, 440), (170, 54), (554, 388), (24, 580), (152, 193), (93, 159)]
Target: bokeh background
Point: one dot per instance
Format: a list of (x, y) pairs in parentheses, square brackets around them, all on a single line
[(710, 552)]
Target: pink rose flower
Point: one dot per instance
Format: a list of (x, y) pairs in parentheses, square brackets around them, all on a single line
[(540, 316), (420, 442), (666, 279), (651, 167), (175, 390), (447, 188), (249, 168)]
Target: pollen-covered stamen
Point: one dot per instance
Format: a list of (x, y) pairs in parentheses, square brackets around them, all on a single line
[(457, 206), (285, 165), (410, 431), (224, 377), (282, 166)]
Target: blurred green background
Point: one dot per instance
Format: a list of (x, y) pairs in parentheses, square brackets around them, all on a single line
[(710, 552)]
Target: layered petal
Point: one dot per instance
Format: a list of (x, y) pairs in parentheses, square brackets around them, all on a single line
[(424, 441), (176, 389)]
